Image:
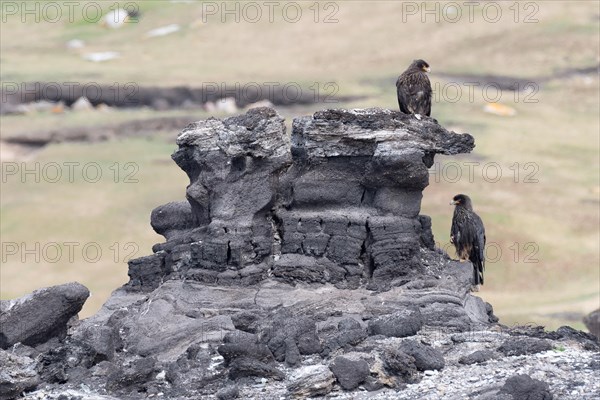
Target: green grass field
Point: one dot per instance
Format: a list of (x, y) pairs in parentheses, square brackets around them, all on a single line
[(545, 234)]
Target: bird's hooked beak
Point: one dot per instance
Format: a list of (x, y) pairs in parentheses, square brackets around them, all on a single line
[(453, 203), (427, 69)]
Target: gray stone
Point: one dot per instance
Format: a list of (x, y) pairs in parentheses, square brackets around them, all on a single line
[(349, 373), (232, 351), (311, 381), (37, 317), (296, 331), (147, 273), (18, 375), (246, 321), (399, 324), (134, 374), (476, 357), (349, 332), (173, 219), (240, 337), (103, 341), (517, 346), (426, 357), (246, 367), (228, 393), (401, 365), (523, 387)]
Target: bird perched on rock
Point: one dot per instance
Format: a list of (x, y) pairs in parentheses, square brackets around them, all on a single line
[(414, 90), (468, 236)]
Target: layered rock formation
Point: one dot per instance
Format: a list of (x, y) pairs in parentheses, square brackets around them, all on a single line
[(297, 266), (333, 209), (339, 204)]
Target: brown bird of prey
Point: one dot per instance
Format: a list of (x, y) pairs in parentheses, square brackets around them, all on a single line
[(414, 90), (468, 236)]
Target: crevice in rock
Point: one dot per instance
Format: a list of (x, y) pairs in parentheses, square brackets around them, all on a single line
[(228, 252), (365, 254)]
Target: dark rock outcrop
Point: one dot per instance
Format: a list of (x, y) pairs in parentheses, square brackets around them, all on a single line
[(298, 262), (426, 357), (523, 387), (135, 374), (311, 381), (349, 333), (399, 324), (36, 318), (349, 373), (526, 345), (400, 364), (269, 216), (476, 357), (328, 205)]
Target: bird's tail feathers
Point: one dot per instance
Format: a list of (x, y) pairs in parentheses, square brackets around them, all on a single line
[(478, 268)]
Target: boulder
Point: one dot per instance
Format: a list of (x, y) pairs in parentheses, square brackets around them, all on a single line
[(349, 373), (523, 387), (311, 381), (399, 324), (37, 317), (426, 357), (517, 346)]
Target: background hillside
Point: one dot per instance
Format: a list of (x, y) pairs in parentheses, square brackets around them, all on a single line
[(534, 176)]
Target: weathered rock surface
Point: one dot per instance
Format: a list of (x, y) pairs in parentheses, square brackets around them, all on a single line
[(520, 346), (18, 374), (426, 357), (476, 357), (349, 373), (35, 318), (523, 387), (300, 266), (311, 381), (399, 324), (228, 393)]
